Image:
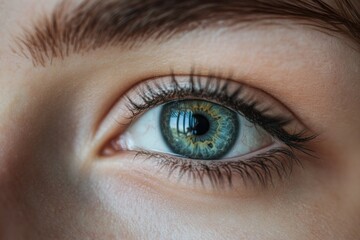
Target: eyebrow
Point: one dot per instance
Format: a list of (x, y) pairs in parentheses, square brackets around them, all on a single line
[(94, 24)]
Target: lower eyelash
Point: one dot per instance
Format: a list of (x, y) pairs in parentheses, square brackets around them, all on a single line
[(261, 169)]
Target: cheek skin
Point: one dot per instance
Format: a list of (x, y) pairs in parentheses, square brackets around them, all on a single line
[(299, 211), (43, 194)]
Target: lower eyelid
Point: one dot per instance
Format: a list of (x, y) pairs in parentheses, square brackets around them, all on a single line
[(144, 173), (268, 167), (209, 178)]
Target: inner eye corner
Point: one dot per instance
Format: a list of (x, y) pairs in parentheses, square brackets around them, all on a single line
[(108, 148)]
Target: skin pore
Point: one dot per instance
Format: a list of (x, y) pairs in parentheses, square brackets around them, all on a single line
[(56, 117)]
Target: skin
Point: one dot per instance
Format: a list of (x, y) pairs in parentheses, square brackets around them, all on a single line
[(54, 120)]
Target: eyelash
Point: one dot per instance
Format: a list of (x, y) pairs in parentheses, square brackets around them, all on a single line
[(259, 169)]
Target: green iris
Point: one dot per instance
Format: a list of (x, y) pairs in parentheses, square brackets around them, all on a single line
[(199, 129)]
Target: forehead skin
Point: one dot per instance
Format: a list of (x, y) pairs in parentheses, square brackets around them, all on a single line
[(41, 199)]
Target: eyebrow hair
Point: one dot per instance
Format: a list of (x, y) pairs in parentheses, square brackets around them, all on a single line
[(94, 24)]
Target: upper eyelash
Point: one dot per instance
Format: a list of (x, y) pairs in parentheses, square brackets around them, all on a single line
[(273, 125)]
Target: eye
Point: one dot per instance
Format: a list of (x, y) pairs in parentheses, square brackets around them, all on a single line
[(195, 129), (209, 127)]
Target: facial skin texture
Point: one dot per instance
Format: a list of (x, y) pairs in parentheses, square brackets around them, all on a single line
[(54, 119)]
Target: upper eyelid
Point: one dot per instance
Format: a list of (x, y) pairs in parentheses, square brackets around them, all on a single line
[(138, 89), (72, 29), (194, 74)]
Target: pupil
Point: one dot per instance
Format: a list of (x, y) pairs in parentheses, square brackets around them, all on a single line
[(200, 125)]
